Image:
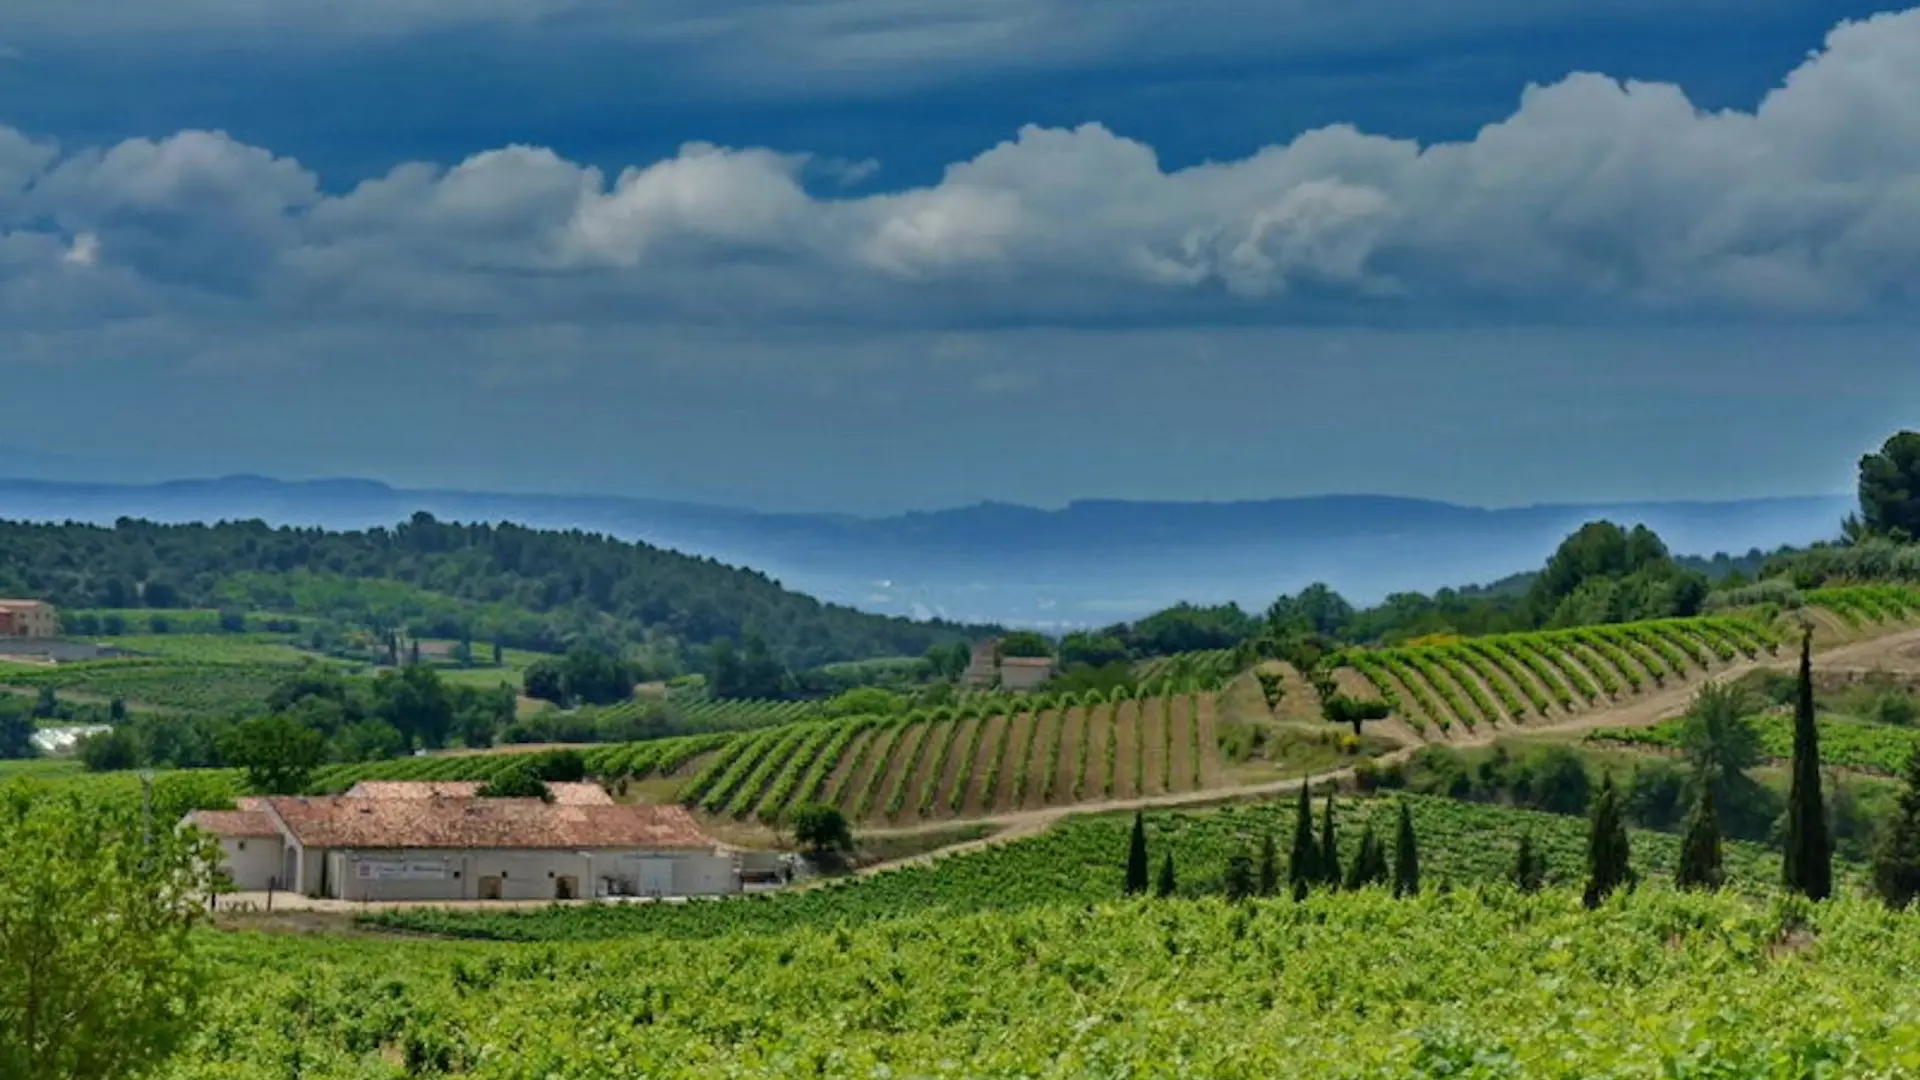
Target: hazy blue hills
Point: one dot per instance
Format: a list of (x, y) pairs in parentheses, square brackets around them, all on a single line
[(1089, 562)]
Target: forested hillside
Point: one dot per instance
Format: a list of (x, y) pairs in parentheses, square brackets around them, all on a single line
[(524, 587)]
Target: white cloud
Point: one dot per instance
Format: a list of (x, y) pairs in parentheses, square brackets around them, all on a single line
[(1593, 195)]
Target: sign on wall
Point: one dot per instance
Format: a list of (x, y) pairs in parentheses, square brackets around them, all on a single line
[(400, 869)]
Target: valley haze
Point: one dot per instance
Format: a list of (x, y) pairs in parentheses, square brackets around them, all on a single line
[(1090, 563)]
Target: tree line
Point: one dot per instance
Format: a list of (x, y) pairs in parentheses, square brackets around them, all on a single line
[(543, 589)]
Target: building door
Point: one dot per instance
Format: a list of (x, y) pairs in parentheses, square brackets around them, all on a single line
[(489, 888), (565, 887)]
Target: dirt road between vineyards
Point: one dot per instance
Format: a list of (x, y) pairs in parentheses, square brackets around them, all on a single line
[(1893, 652)]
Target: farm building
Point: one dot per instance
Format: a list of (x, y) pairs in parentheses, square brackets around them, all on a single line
[(988, 668), (28, 619), (461, 847)]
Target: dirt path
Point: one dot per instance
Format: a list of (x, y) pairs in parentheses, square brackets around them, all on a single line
[(1901, 647)]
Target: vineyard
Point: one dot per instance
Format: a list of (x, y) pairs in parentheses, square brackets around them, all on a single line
[(1079, 862), (1847, 744), (1861, 606), (697, 712), (190, 686), (991, 753), (1508, 679)]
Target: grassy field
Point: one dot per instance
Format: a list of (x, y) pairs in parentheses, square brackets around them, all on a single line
[(1847, 743)]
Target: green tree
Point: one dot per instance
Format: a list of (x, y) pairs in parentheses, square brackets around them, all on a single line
[(1024, 643), (416, 702), (1890, 490), (16, 731), (1406, 856), (47, 705), (1369, 862), (1269, 868), (821, 829), (1165, 886), (520, 781), (1341, 709), (366, 740), (543, 681), (1529, 868), (1808, 866), (1609, 859), (1137, 856), (1273, 688), (1303, 862), (1238, 881), (1700, 864), (109, 751), (98, 978), (277, 753), (1329, 857), (1082, 649), (561, 766), (1896, 859)]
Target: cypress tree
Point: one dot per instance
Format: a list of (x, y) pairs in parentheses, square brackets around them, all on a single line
[(1269, 883), (1896, 862), (1529, 867), (1303, 865), (1239, 881), (1406, 856), (1369, 863), (1809, 857), (1166, 886), (1608, 858), (1137, 856), (1700, 866), (1329, 848)]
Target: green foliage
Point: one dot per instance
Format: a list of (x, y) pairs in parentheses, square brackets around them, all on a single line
[(1406, 855), (1136, 881), (1239, 882), (276, 753), (1890, 490), (1700, 860), (1303, 863), (1609, 855), (1808, 866), (1369, 867), (1024, 643), (1529, 869), (98, 977), (442, 581), (1896, 860), (1165, 885), (821, 829), (1327, 862), (1341, 709), (522, 781)]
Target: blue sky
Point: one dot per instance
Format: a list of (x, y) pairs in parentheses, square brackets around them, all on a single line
[(875, 254)]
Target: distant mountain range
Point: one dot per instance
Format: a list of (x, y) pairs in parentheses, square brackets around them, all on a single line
[(1090, 563)]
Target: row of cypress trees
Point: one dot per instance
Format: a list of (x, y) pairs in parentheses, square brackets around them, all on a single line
[(1314, 861)]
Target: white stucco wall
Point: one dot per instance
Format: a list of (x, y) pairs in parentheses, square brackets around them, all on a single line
[(522, 874), (251, 862)]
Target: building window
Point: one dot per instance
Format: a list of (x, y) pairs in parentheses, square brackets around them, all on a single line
[(240, 845)]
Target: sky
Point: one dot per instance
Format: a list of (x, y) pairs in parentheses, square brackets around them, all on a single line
[(872, 255)]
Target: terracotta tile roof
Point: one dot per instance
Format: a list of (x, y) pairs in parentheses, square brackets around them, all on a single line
[(341, 822), (564, 793), (234, 823)]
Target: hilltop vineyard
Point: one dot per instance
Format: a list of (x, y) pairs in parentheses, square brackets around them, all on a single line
[(1509, 679), (988, 754), (1861, 606)]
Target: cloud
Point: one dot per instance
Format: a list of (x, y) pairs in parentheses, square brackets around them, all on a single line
[(1595, 197)]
